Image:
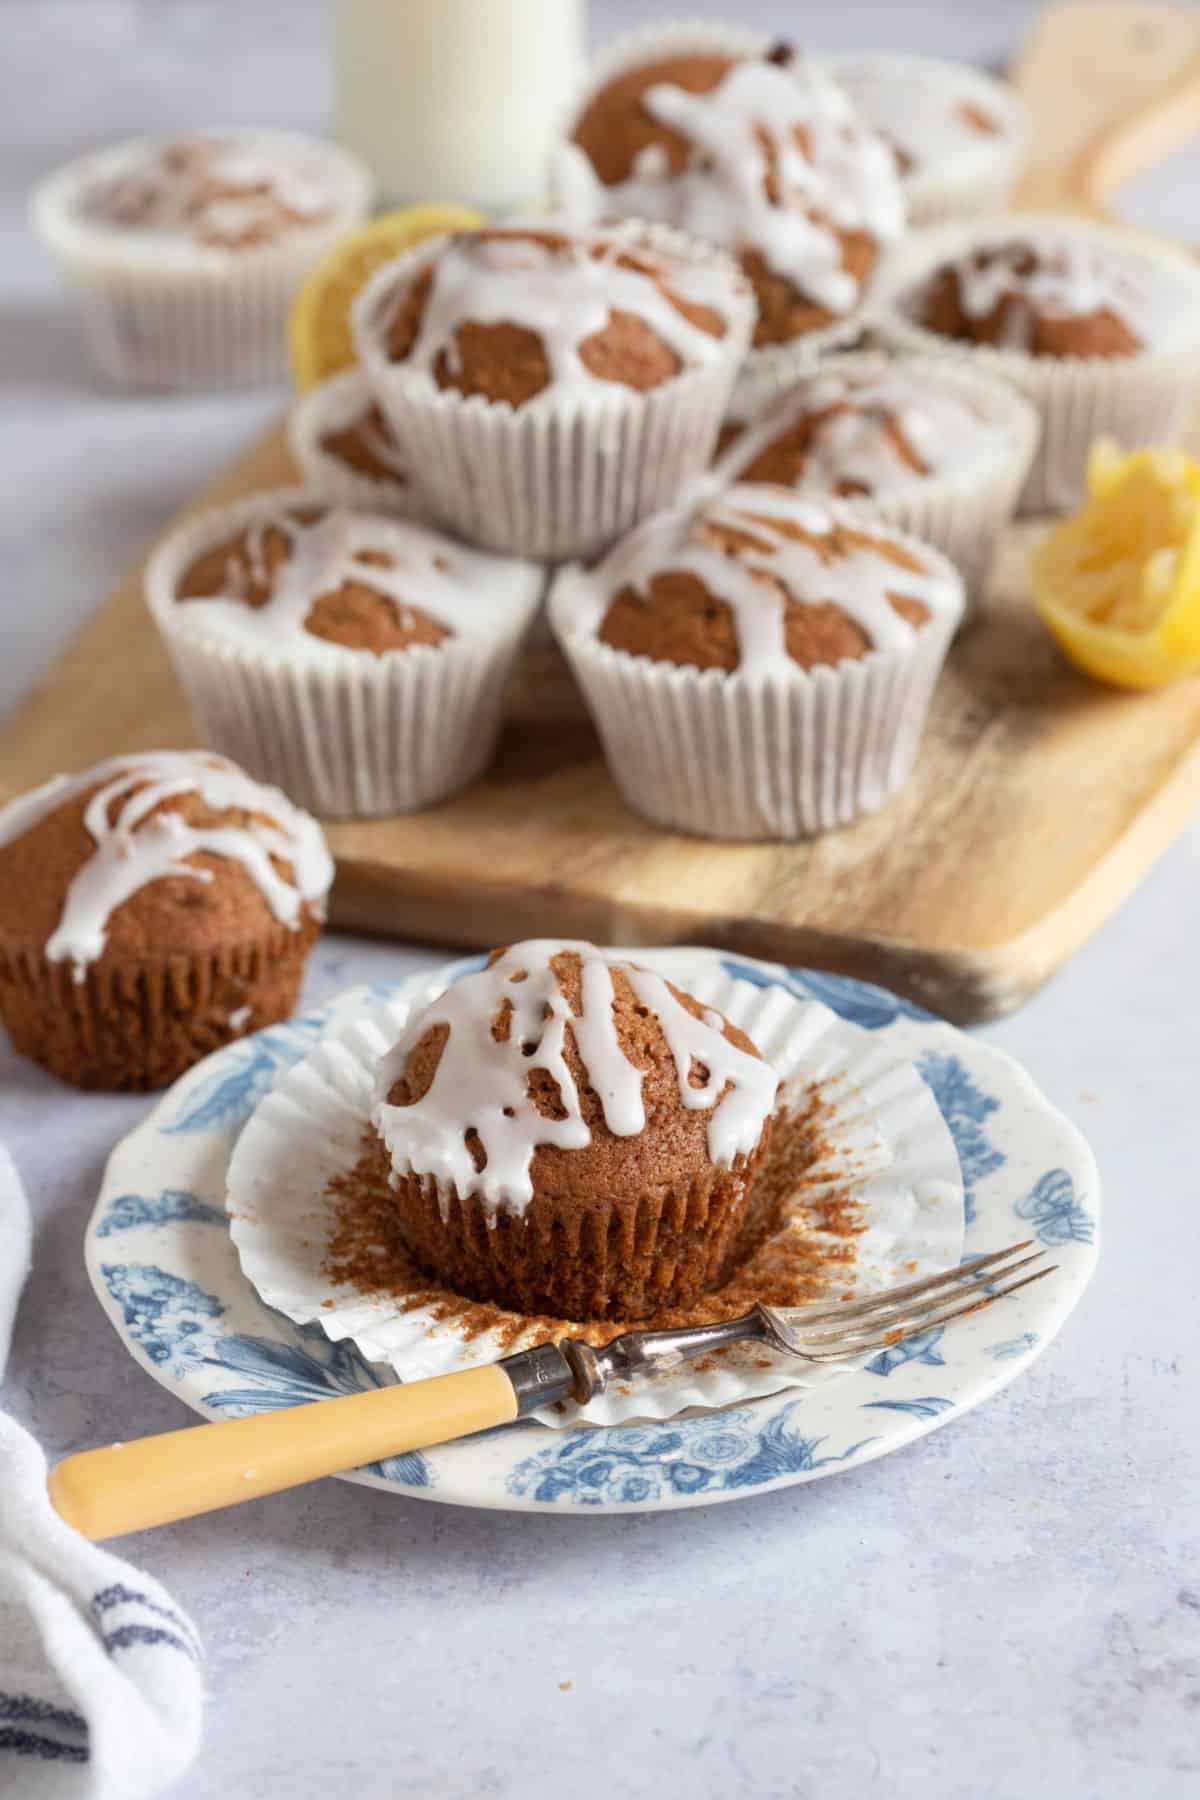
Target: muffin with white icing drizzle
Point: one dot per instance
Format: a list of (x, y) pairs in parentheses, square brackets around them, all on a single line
[(549, 386), (1099, 329), (184, 252), (357, 659), (755, 150), (959, 136), (759, 664), (152, 909), (345, 449), (568, 1133), (937, 450)]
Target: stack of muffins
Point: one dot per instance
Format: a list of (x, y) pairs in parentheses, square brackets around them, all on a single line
[(757, 537)]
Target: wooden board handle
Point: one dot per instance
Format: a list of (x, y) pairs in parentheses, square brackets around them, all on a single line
[(153, 1480), (1113, 87)]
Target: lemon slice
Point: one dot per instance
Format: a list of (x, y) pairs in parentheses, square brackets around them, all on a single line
[(1118, 583), (319, 340)]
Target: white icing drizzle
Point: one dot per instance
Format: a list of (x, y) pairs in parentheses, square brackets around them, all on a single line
[(945, 431), (859, 582), (136, 845), (1070, 279), (215, 189), (565, 294), (846, 182), (920, 113), (482, 1085), (345, 403), (428, 571)]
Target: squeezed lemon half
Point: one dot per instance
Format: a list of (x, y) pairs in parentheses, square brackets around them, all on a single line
[(319, 339), (1118, 583)]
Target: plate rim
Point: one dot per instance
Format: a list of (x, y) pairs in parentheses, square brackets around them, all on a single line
[(492, 1491)]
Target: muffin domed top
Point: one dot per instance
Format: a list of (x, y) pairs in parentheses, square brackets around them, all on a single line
[(768, 160), (286, 573), (516, 311), (758, 580), (868, 427), (928, 111), (150, 855), (1048, 299), (348, 425), (558, 1069), (227, 191)]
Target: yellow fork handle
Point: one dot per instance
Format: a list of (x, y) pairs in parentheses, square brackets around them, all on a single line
[(153, 1480)]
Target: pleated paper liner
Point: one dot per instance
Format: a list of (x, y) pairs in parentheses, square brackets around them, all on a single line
[(183, 315)]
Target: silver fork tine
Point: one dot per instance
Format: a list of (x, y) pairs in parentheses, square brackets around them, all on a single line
[(909, 1318), (854, 1311), (942, 1318)]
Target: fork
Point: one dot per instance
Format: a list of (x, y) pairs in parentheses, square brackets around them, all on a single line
[(178, 1474)]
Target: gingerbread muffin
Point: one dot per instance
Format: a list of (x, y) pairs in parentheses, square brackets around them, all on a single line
[(184, 253), (1045, 301), (152, 909), (345, 448), (959, 136), (1100, 330), (520, 366), (759, 152), (568, 1133), (357, 659), (940, 451), (759, 665)]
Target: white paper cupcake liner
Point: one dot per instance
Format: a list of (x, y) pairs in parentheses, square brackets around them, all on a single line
[(182, 315), (780, 363), (887, 1140), (563, 475), (1147, 398), (961, 514), (783, 756), (345, 733), (980, 176), (332, 406)]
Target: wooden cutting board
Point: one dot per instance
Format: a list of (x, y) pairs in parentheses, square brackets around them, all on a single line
[(1038, 803)]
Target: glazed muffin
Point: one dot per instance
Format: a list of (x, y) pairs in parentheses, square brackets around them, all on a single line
[(184, 253), (568, 1133), (357, 659), (152, 909), (759, 152), (1100, 330), (550, 387), (939, 451), (345, 449), (1046, 300), (959, 136), (759, 665)]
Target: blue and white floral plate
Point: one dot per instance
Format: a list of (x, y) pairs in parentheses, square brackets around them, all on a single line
[(162, 1262)]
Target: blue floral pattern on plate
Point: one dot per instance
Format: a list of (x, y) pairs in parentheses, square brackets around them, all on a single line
[(169, 1279), (857, 1001), (635, 1465)]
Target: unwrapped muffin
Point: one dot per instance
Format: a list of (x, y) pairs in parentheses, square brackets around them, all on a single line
[(758, 152), (1098, 328), (939, 451), (152, 909), (568, 1133), (550, 387), (357, 659), (184, 253), (759, 665)]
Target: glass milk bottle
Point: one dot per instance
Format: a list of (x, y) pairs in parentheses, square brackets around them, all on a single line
[(456, 99)]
